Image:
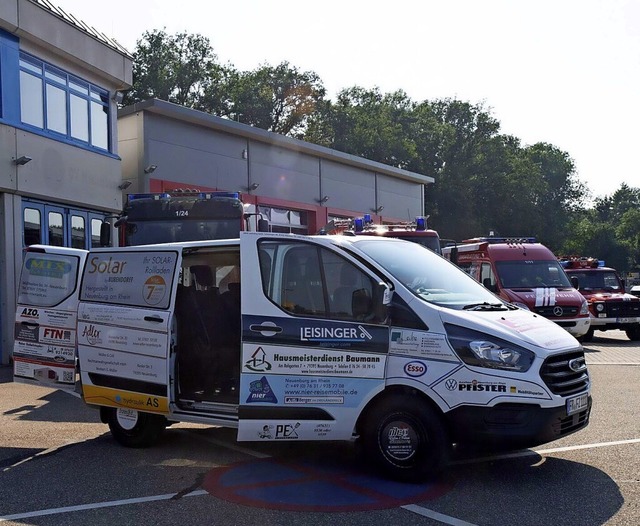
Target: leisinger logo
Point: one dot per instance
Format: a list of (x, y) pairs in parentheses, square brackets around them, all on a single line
[(334, 334)]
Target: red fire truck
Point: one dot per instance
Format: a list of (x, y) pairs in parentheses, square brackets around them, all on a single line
[(415, 231), (609, 304), (182, 215), (525, 273)]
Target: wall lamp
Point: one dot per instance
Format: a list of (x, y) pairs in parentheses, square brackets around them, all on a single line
[(378, 209), (118, 97), (150, 169), (253, 186), (245, 154), (124, 185), (323, 199), (21, 161)]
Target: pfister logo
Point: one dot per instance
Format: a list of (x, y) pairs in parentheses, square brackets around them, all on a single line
[(415, 369)]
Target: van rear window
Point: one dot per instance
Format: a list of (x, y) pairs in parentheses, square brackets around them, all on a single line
[(135, 279), (47, 279)]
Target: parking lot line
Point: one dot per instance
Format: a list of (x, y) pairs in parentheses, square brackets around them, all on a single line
[(445, 519), (96, 505), (530, 452)]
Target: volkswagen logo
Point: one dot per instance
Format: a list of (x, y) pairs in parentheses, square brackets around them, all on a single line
[(451, 385), (557, 311)]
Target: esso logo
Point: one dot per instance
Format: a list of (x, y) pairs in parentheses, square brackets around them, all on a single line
[(415, 369)]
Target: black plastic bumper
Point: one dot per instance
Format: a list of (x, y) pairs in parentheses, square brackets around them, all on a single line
[(514, 425)]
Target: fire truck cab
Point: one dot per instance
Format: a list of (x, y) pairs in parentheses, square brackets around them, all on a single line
[(415, 231), (610, 306), (525, 273)]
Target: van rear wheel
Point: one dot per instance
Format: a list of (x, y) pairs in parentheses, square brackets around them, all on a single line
[(133, 428), (406, 439)]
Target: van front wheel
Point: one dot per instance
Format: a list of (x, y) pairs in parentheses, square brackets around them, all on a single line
[(406, 439), (133, 428)]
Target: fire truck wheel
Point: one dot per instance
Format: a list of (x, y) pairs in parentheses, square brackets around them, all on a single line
[(133, 428), (587, 337), (634, 333), (406, 439)]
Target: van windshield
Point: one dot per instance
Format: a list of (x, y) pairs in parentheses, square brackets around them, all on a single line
[(429, 276), (531, 274)]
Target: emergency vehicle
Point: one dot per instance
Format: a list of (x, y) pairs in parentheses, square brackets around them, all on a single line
[(527, 274), (182, 215), (609, 304), (300, 338), (415, 231)]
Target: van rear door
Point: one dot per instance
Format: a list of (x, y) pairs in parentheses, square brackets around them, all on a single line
[(124, 316), (44, 351)]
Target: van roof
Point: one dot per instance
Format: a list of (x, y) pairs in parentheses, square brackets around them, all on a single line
[(503, 251)]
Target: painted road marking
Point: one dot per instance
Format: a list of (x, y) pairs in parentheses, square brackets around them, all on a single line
[(445, 519), (411, 507), (96, 505)]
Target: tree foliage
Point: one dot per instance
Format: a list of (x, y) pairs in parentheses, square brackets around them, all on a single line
[(484, 180)]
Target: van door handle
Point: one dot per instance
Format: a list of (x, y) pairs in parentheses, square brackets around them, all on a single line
[(156, 319), (267, 328)]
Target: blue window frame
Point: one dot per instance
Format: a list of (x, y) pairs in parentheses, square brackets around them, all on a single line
[(63, 105), (51, 224)]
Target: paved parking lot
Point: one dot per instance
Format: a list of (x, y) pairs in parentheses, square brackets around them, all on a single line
[(59, 465)]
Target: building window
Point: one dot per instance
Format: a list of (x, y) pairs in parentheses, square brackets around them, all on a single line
[(63, 105), (285, 221)]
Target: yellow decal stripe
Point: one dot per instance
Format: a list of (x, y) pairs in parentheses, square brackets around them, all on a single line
[(118, 398)]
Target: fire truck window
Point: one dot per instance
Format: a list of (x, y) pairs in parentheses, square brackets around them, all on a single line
[(487, 277)]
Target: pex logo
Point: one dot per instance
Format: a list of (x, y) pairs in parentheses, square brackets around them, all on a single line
[(415, 369)]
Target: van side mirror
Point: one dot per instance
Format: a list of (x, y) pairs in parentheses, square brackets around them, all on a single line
[(382, 296), (263, 225), (488, 285), (105, 234), (454, 255), (574, 282)]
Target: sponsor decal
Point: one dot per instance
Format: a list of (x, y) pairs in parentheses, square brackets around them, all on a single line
[(29, 313), (266, 432), (517, 390), (474, 385), (332, 334), (48, 267), (287, 431), (55, 335), (258, 361), (260, 391), (91, 334), (415, 369), (451, 385)]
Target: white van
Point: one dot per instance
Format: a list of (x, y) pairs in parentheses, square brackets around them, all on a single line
[(289, 337)]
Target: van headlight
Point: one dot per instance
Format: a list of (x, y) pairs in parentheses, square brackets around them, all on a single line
[(584, 309), (481, 350)]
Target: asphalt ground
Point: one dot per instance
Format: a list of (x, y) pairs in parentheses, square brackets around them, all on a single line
[(60, 466)]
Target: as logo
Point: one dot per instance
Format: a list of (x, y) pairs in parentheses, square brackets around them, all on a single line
[(152, 402), (29, 312)]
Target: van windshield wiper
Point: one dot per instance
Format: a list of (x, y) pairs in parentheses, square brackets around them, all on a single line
[(485, 306)]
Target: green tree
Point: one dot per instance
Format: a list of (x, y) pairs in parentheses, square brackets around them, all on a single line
[(172, 68), (279, 99)]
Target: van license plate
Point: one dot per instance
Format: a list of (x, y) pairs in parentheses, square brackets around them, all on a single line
[(577, 403)]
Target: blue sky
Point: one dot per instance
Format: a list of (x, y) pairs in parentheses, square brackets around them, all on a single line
[(565, 72)]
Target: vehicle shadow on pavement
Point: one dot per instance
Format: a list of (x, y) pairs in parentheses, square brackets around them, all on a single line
[(534, 490), (58, 406)]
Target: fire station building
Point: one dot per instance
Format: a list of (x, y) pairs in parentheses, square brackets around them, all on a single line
[(69, 156)]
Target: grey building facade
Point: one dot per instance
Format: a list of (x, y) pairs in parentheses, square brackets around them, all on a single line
[(59, 164)]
